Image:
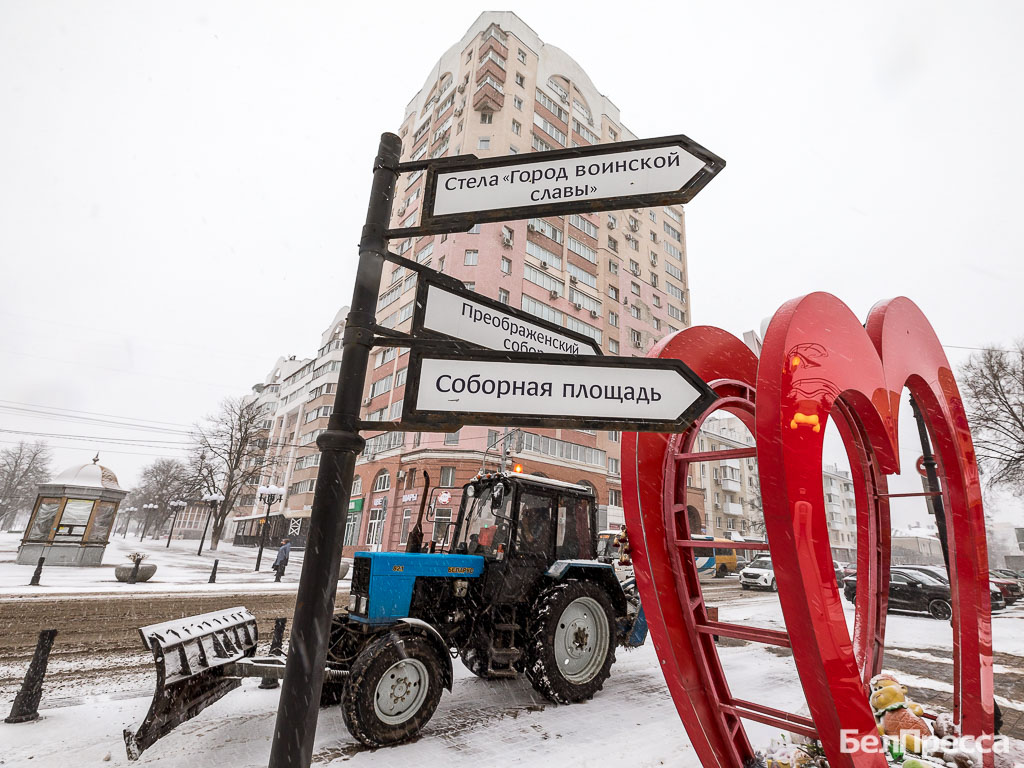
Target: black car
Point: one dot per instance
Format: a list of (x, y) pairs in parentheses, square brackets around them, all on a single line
[(912, 590)]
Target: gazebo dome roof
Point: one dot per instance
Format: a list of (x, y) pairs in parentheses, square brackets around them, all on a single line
[(90, 475)]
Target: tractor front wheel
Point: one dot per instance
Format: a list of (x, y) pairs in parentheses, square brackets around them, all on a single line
[(392, 690), (572, 643)]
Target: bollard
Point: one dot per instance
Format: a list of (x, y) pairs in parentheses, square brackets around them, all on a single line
[(26, 704), (37, 573), (134, 575), (275, 650), (213, 573)]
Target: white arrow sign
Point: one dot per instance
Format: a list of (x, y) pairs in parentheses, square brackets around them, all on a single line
[(484, 389), (457, 315), (592, 176)]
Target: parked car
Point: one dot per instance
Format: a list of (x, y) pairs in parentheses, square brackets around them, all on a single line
[(850, 569), (939, 572), (840, 572), (1011, 588), (918, 590), (1009, 574), (759, 575)]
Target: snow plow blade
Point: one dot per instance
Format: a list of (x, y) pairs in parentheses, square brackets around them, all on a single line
[(196, 659)]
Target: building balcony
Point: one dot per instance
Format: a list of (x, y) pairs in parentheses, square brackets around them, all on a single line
[(488, 98), (835, 525), (732, 508), (731, 486), (493, 44), (490, 68)]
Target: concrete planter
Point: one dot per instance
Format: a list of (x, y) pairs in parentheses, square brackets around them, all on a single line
[(146, 571)]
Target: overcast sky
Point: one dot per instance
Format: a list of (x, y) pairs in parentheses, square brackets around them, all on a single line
[(182, 185)]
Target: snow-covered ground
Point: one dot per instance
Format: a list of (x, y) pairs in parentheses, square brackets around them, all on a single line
[(179, 569), (481, 723)]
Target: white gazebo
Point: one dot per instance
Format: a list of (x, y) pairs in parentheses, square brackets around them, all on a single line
[(72, 517)]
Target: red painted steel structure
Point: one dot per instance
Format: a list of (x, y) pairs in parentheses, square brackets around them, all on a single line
[(817, 362)]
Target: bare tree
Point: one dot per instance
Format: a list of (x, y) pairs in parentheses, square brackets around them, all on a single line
[(162, 482), (993, 385), (231, 454), (22, 467)]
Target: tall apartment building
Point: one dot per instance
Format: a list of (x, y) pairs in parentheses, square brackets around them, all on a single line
[(620, 278)]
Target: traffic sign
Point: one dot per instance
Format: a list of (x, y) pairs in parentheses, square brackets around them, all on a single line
[(463, 314), (447, 390), (463, 191)]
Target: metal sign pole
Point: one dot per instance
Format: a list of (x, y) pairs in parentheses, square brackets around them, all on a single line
[(299, 706)]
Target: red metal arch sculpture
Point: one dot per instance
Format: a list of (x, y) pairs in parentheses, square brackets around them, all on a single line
[(818, 362)]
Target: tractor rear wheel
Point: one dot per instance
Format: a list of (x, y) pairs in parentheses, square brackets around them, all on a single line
[(572, 641), (392, 690)]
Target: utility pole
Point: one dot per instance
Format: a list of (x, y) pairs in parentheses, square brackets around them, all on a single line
[(299, 705), (506, 447)]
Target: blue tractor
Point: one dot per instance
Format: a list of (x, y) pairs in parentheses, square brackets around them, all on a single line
[(514, 589)]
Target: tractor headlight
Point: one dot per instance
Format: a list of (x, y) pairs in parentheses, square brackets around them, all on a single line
[(352, 603), (363, 603)]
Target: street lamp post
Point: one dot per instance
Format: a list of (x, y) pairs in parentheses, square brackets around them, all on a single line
[(128, 522), (270, 495), (213, 499), (150, 510), (177, 506)]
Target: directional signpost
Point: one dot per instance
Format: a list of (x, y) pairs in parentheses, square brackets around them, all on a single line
[(461, 192), (528, 390), (499, 365), (462, 314)]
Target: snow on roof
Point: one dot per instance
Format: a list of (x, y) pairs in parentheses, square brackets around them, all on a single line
[(90, 475)]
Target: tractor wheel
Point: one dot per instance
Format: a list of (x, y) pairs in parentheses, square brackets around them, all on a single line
[(572, 641), (392, 690)]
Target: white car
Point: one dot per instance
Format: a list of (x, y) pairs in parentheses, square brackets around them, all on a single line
[(759, 574)]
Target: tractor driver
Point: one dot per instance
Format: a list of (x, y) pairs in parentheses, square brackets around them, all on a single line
[(534, 530)]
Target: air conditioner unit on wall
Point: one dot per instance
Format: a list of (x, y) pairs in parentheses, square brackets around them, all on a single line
[(367, 401), (555, 294), (530, 228), (458, 111), (573, 279), (461, 88), (578, 306), (506, 241), (594, 313), (636, 344), (543, 265)]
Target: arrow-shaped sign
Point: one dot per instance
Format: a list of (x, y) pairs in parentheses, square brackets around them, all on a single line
[(633, 174), (583, 392), (466, 315)]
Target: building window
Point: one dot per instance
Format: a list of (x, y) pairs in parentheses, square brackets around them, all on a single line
[(634, 288), (613, 245), (613, 319), (474, 230), (513, 150), (451, 438), (613, 135), (486, 118), (520, 79), (635, 311), (517, 102), (613, 466), (503, 296), (613, 346), (442, 520), (382, 482), (614, 498), (654, 280), (447, 477), (613, 292), (615, 437), (470, 286), (517, 127), (613, 267), (484, 142), (634, 336), (634, 267), (521, 56), (472, 258)]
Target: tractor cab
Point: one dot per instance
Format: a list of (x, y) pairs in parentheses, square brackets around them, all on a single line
[(505, 515), (523, 525)]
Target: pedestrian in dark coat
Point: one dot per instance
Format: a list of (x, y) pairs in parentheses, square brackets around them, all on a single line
[(281, 561)]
